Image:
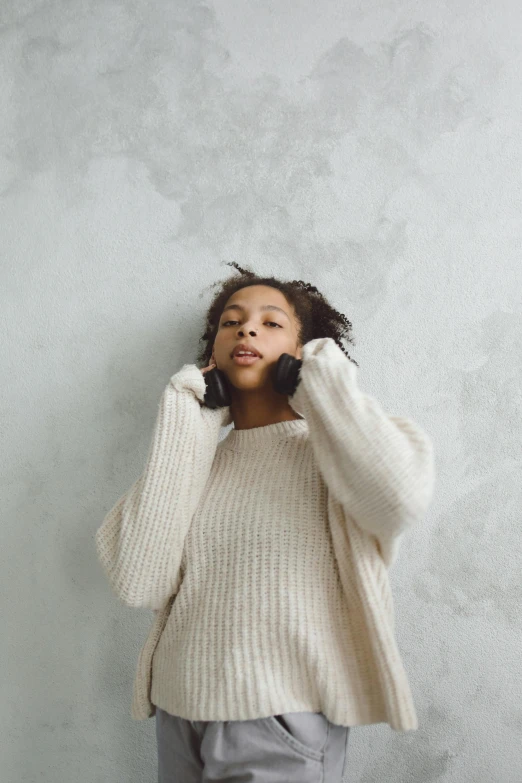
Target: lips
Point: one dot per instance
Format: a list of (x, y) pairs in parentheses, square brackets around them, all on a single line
[(248, 348)]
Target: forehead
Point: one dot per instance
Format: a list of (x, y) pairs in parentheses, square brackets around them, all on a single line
[(263, 307), (261, 298)]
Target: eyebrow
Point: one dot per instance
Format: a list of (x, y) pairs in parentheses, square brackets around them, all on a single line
[(263, 307)]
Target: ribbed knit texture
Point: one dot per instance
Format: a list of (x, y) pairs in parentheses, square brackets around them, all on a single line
[(265, 556)]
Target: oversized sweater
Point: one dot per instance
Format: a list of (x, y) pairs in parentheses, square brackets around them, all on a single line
[(265, 555)]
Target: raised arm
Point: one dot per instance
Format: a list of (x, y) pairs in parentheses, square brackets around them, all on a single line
[(380, 468), (140, 541)]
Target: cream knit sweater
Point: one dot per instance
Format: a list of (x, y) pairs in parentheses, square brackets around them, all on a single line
[(265, 555)]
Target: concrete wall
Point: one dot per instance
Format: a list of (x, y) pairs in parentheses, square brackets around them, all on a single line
[(373, 149)]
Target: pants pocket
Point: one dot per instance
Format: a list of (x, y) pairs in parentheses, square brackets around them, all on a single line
[(304, 731)]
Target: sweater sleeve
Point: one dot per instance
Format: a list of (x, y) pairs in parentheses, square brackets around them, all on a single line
[(140, 541), (380, 468)]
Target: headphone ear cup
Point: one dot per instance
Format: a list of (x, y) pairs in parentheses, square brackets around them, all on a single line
[(286, 374), (217, 394)]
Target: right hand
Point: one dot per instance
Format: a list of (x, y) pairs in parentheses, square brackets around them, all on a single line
[(211, 366)]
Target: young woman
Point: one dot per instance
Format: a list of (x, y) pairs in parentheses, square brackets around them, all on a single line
[(265, 555)]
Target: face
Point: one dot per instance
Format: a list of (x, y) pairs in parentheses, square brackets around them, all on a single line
[(271, 331)]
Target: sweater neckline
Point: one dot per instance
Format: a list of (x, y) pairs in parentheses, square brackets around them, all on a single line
[(258, 437)]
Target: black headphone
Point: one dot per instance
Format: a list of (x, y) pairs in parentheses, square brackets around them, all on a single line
[(285, 379)]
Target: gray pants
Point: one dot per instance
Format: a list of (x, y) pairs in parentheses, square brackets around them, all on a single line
[(297, 747)]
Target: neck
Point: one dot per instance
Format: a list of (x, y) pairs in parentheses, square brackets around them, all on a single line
[(255, 409)]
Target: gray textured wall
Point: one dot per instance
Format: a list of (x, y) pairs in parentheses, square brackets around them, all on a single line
[(373, 149)]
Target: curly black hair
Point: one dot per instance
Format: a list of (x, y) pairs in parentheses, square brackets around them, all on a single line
[(316, 317)]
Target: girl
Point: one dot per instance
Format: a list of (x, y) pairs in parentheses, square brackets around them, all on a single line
[(265, 555)]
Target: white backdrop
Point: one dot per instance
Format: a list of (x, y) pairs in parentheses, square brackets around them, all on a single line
[(373, 149)]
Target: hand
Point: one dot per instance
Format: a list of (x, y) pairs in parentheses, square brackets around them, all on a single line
[(211, 366)]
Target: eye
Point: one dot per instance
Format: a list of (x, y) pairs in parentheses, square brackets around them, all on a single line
[(235, 322)]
